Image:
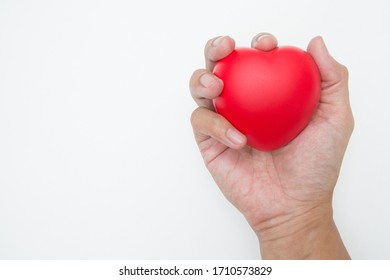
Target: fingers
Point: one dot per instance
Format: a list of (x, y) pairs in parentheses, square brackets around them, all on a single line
[(206, 124), (334, 76), (205, 86), (264, 41), (219, 47), (216, 49)]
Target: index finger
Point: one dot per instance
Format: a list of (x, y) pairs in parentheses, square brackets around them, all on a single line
[(216, 49)]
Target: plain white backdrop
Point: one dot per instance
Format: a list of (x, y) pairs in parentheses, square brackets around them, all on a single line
[(97, 157)]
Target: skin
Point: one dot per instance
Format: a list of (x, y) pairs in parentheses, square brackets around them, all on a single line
[(285, 195)]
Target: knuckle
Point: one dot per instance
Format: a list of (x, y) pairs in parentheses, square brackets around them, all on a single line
[(209, 51), (198, 72), (217, 125), (195, 78), (195, 116), (204, 120), (209, 44)]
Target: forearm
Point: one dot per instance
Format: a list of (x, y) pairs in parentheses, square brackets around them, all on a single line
[(311, 235)]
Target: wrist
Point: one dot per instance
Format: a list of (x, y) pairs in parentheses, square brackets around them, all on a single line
[(311, 234)]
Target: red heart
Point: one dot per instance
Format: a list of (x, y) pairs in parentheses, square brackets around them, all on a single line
[(268, 96)]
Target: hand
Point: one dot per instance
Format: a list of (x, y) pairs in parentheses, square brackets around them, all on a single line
[(286, 194)]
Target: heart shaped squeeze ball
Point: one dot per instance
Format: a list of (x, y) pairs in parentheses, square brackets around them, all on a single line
[(270, 96)]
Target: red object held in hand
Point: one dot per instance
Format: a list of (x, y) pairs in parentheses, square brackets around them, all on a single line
[(270, 96)]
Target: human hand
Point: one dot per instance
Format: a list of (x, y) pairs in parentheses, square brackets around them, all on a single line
[(286, 194)]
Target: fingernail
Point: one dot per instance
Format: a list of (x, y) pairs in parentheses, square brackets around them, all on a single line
[(235, 137), (261, 37), (207, 80), (217, 41)]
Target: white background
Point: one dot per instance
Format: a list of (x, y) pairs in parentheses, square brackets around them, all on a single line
[(97, 157), (110, 269)]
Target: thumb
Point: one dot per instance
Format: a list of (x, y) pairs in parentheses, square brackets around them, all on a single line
[(334, 76)]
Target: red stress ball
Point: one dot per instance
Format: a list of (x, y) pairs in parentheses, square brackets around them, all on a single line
[(270, 96)]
